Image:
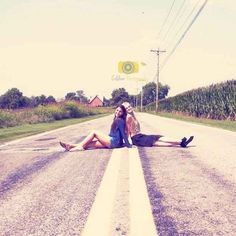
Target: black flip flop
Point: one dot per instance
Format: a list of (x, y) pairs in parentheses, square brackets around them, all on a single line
[(189, 140)]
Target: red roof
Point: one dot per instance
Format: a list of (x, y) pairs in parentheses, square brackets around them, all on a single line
[(94, 99)]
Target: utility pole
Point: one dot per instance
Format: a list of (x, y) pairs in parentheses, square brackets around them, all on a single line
[(157, 51), (141, 105)]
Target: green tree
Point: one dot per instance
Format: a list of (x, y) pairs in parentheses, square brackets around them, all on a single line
[(118, 96), (106, 102), (13, 99), (50, 99), (25, 101), (133, 99), (39, 100), (34, 101), (81, 96), (42, 100), (70, 96), (149, 92), (77, 96)]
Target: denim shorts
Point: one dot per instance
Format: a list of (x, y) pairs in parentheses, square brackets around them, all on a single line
[(115, 143)]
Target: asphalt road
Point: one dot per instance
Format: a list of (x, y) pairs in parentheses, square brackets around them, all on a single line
[(192, 191)]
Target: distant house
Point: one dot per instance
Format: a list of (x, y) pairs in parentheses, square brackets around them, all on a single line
[(95, 102)]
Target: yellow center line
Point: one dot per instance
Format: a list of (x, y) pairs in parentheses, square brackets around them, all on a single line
[(141, 218), (98, 222)]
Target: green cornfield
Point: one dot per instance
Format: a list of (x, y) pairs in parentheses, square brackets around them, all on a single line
[(217, 101)]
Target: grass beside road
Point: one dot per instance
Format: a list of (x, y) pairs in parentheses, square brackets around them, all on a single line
[(12, 133), (222, 124)]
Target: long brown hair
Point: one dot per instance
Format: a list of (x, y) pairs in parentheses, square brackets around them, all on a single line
[(123, 116)]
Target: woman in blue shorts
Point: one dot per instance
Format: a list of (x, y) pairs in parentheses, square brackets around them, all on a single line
[(116, 138)]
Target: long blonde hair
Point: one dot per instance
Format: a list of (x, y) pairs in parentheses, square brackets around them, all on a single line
[(137, 124), (125, 104)]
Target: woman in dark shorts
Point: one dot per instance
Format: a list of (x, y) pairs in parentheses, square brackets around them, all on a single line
[(96, 139), (145, 140)]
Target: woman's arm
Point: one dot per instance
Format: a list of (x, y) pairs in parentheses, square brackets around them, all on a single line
[(128, 124), (124, 136)]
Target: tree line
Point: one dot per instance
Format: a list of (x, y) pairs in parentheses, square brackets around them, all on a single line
[(14, 98), (148, 95)]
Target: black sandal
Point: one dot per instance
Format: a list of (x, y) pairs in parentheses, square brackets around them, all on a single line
[(185, 142), (189, 140), (182, 143)]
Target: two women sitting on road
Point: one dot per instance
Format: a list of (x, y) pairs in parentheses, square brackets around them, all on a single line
[(96, 139), (125, 124)]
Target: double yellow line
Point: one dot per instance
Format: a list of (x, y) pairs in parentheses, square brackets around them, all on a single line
[(141, 221)]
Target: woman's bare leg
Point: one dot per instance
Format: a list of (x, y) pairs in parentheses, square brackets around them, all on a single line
[(95, 144), (102, 138), (166, 143), (95, 139)]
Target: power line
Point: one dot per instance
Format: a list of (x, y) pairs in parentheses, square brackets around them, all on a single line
[(176, 23), (183, 35), (172, 23), (166, 19), (186, 19)]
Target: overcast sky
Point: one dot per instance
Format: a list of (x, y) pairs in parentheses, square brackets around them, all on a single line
[(53, 47)]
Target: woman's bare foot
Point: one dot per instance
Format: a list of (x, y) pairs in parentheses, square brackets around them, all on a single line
[(66, 146), (79, 148)]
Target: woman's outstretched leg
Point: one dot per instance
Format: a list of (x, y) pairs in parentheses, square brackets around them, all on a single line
[(162, 142), (103, 139), (95, 144), (95, 139)]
